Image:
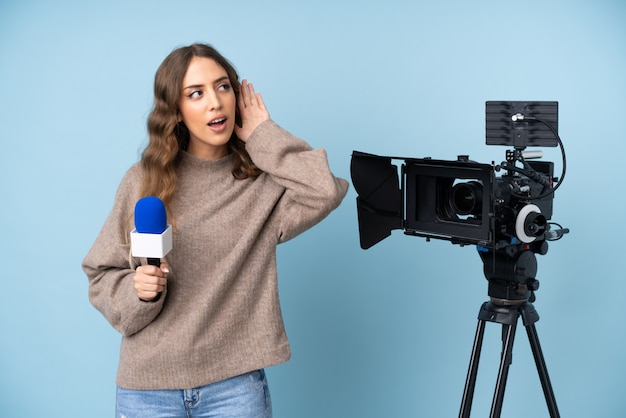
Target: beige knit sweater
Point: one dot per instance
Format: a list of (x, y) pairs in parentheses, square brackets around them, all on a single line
[(220, 314)]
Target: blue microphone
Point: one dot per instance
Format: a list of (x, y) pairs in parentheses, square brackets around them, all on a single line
[(150, 215), (152, 236)]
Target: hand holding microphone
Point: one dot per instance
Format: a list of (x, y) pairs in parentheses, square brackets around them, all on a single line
[(151, 238), (150, 282)]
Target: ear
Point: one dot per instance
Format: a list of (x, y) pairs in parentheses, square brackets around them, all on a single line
[(179, 117)]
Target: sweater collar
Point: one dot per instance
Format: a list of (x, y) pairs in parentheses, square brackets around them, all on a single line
[(191, 161)]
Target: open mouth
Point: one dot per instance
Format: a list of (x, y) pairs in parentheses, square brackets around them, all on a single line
[(217, 122)]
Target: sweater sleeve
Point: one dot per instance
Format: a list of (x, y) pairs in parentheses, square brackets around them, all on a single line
[(311, 190), (110, 268)]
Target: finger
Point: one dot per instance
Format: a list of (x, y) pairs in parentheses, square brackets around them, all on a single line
[(240, 101), (149, 287), (243, 95), (149, 278), (150, 283), (148, 296), (251, 93), (244, 89), (260, 101), (143, 288), (150, 270)]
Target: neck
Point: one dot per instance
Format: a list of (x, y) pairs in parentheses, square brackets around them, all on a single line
[(208, 153)]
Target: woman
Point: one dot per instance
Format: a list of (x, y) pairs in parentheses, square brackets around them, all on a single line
[(199, 330)]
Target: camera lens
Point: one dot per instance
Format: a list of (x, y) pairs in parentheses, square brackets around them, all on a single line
[(466, 198)]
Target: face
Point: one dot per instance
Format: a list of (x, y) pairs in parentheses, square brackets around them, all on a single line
[(207, 107)]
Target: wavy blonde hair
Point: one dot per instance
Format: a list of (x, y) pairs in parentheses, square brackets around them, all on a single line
[(167, 136)]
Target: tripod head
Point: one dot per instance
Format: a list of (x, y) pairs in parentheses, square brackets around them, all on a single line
[(511, 275), (511, 271)]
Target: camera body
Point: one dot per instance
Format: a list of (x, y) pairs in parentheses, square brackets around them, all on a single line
[(467, 203), (463, 201)]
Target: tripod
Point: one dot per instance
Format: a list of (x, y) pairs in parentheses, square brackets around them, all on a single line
[(509, 300)]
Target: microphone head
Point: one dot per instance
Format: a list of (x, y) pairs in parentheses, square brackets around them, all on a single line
[(150, 215)]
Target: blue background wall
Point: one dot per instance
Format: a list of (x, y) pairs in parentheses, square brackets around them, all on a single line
[(385, 332)]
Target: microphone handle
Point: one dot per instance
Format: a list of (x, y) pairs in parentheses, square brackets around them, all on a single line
[(154, 262)]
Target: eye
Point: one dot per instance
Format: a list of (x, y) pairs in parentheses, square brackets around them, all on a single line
[(224, 87), (195, 94)]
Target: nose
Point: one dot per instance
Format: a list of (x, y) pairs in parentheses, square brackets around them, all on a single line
[(214, 101)]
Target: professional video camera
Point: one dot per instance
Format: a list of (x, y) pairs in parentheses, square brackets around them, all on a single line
[(464, 202)]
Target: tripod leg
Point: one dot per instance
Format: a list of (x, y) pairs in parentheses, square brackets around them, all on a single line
[(533, 338), (508, 334), (470, 382)]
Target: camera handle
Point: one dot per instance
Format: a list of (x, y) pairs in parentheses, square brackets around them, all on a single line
[(507, 313)]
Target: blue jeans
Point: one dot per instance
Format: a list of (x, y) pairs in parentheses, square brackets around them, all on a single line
[(245, 396)]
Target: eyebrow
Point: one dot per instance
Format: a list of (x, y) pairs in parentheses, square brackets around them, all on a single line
[(195, 86)]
